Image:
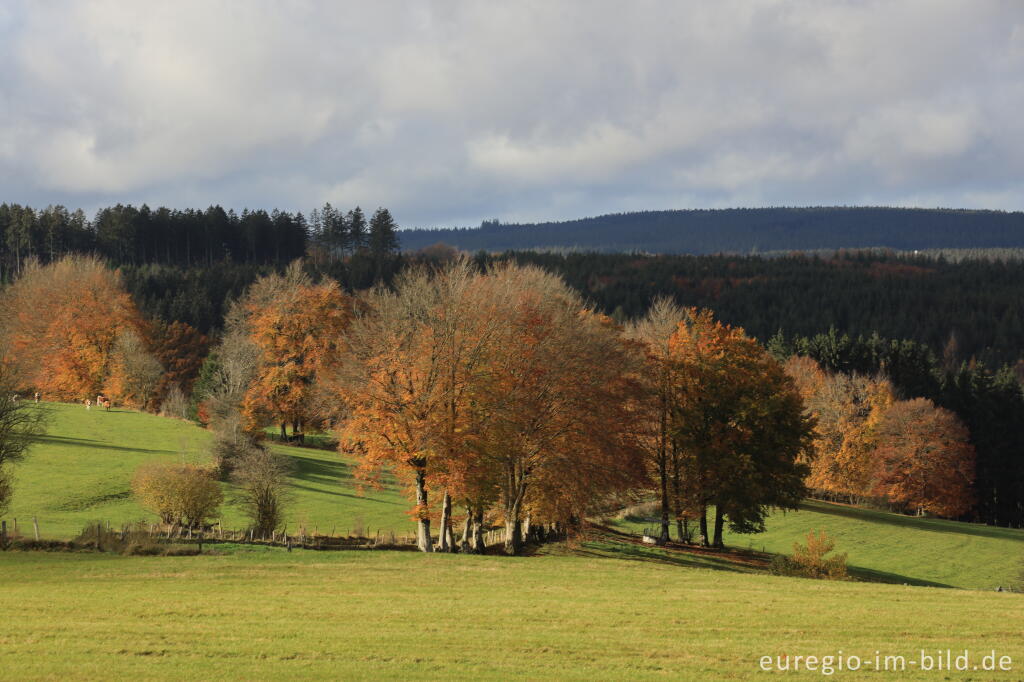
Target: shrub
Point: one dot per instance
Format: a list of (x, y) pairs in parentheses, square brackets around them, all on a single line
[(262, 480), (175, 404), (180, 494), (809, 561), (231, 444)]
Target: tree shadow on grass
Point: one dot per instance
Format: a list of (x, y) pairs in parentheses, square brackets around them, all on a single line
[(913, 522), (318, 470), (339, 493), (98, 444), (870, 575), (611, 549)]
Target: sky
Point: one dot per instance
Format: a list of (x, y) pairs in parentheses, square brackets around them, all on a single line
[(449, 113)]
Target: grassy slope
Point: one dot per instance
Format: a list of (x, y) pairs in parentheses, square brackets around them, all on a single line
[(356, 615), (81, 471), (895, 548)]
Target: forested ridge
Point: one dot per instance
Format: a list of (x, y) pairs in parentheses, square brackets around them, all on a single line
[(742, 230)]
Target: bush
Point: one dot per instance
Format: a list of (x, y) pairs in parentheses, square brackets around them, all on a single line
[(262, 479), (175, 404), (231, 444), (180, 494), (809, 561)]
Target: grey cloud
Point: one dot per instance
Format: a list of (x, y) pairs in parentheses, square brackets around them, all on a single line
[(456, 111)]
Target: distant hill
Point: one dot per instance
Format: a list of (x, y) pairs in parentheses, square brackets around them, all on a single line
[(742, 230)]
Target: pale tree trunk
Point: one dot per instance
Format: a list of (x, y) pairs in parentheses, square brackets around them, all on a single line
[(663, 468), (677, 493), (467, 530), (526, 529), (513, 531), (423, 540), (515, 492), (445, 532)]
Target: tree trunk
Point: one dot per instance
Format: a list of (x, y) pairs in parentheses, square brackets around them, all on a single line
[(467, 530), (526, 530), (423, 539), (284, 431), (444, 535), (478, 531), (663, 469), (718, 527), (704, 526), (513, 533), (681, 529)]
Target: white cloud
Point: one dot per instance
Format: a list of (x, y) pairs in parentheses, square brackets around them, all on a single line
[(457, 111)]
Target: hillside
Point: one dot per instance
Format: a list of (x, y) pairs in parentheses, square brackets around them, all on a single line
[(81, 472), (742, 230)]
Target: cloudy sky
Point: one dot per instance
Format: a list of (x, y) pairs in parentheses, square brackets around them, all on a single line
[(453, 112)]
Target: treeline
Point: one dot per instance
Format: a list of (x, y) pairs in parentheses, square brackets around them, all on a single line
[(742, 230), (970, 310), (133, 236), (990, 404), (498, 395)]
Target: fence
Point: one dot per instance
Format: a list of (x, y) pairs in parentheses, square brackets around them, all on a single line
[(217, 533)]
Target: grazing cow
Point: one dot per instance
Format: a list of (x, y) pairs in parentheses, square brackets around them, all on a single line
[(106, 404)]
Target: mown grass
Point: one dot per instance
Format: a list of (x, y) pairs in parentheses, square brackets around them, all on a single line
[(262, 614), (893, 548), (81, 471)]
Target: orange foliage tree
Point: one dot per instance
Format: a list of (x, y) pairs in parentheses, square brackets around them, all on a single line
[(557, 404), (488, 387), (738, 419), (414, 353), (298, 330), (925, 461), (846, 409), (61, 322)]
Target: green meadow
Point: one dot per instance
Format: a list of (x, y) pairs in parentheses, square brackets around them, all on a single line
[(574, 614), (603, 607), (81, 470)]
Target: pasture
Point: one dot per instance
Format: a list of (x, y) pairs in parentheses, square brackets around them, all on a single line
[(258, 614), (81, 472)]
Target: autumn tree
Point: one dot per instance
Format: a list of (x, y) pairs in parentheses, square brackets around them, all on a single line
[(846, 409), (181, 349), (297, 328), (62, 321), (134, 374), (925, 460), (653, 332), (556, 403), (414, 352), (738, 420)]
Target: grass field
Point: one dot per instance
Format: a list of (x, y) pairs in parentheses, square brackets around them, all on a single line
[(894, 548), (81, 471), (603, 608), (403, 615)]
